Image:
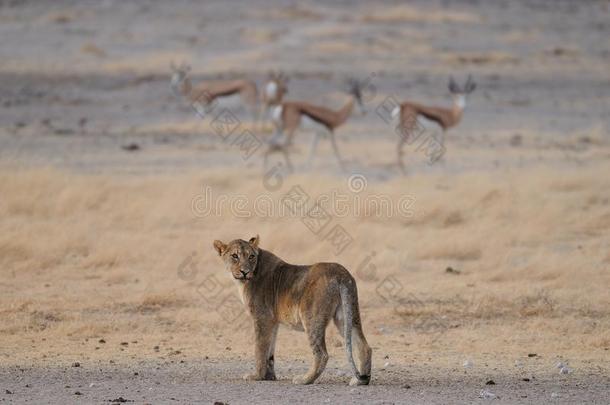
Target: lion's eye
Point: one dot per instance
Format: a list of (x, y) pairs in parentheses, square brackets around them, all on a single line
[(234, 256), (252, 257)]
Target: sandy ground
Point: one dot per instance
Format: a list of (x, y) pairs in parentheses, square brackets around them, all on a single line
[(491, 264)]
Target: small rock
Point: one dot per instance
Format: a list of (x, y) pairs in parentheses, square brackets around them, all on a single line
[(63, 131), (101, 341), (124, 343), (76, 364), (468, 364), (565, 370), (386, 364), (487, 394), (132, 147), (516, 140), (406, 386), (490, 382), (525, 379), (8, 392), (554, 395), (451, 270), (78, 393), (532, 355), (120, 400)]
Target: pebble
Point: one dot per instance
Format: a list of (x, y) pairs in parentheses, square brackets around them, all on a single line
[(486, 394)]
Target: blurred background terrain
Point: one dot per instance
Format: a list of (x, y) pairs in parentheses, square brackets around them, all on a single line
[(498, 271)]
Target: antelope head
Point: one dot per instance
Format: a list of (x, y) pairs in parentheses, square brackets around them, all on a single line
[(354, 88), (179, 75), (459, 93), (277, 85)]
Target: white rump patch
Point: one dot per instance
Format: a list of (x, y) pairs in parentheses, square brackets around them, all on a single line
[(271, 90), (395, 112)]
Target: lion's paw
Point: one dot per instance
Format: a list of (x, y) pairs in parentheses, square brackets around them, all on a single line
[(301, 380), (270, 376), (358, 381), (251, 377)]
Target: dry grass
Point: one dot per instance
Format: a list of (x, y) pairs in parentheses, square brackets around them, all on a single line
[(408, 14), (99, 255)]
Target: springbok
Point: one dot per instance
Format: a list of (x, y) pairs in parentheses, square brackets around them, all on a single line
[(414, 117), (273, 93), (291, 115), (204, 94)]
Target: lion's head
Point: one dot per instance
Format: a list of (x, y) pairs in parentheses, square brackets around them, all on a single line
[(240, 257)]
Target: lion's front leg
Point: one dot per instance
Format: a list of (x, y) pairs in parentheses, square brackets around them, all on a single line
[(264, 341), (270, 373)]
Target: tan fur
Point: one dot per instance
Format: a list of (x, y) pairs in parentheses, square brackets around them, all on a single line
[(305, 298), (207, 92), (294, 111), (445, 118)]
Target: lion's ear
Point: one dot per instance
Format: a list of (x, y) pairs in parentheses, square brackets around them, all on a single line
[(220, 247), (254, 241)]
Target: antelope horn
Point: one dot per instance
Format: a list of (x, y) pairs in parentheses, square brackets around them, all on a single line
[(453, 86), (470, 84)]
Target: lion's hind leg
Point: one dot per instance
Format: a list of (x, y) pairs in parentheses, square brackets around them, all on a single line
[(347, 320), (317, 342), (361, 348), (364, 354), (315, 328)]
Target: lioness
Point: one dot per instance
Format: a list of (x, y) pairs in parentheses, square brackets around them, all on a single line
[(306, 298)]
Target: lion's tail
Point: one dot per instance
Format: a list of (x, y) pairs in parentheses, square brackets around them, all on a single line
[(347, 302)]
